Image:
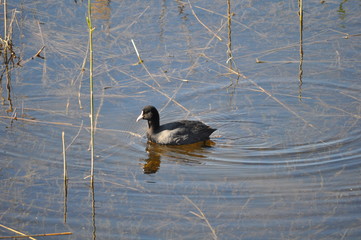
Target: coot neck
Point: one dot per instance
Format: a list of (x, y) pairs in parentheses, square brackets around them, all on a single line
[(153, 123)]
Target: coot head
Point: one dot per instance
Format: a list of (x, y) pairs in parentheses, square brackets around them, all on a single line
[(151, 114)]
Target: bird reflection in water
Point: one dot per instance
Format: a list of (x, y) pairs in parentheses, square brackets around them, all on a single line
[(187, 154)]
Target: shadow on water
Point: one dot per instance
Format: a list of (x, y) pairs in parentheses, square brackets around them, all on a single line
[(184, 154)]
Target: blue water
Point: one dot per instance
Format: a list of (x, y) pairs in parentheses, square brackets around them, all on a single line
[(284, 162)]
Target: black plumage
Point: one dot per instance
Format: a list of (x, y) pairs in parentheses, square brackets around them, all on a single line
[(174, 133)]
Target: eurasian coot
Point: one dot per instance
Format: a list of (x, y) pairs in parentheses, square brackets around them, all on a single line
[(174, 133)]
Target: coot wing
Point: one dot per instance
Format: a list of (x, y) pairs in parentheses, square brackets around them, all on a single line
[(181, 132)]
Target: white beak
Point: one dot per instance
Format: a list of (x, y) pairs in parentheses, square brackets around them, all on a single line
[(140, 116)]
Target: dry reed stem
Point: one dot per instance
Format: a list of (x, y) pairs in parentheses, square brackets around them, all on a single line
[(141, 188), (75, 137), (284, 105), (81, 74), (91, 29), (306, 42), (64, 156), (192, 67), (38, 121), (33, 57), (172, 98), (155, 89), (71, 125), (202, 216), (80, 77), (8, 53), (300, 13), (205, 47), (195, 15), (190, 70), (323, 103), (15, 231), (270, 95), (347, 36), (5, 17), (308, 61), (229, 43), (136, 51), (37, 235), (135, 20), (233, 20), (121, 131), (143, 65), (32, 204), (65, 204), (99, 109), (350, 96), (229, 69), (93, 206), (44, 62), (10, 32)]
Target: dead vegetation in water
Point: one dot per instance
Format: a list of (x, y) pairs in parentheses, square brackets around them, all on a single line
[(30, 236), (171, 98), (10, 59), (152, 80)]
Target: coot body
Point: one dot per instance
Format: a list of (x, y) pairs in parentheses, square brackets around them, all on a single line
[(174, 133)]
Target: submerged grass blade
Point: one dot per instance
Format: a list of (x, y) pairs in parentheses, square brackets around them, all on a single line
[(202, 216), (205, 26)]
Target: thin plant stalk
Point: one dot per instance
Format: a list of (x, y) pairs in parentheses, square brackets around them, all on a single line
[(229, 44), (93, 212), (205, 26), (202, 216), (300, 13), (136, 51), (5, 19), (140, 61), (37, 235), (91, 29), (65, 176), (16, 231), (64, 156)]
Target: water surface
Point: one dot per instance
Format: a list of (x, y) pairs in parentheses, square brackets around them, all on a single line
[(284, 162)]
